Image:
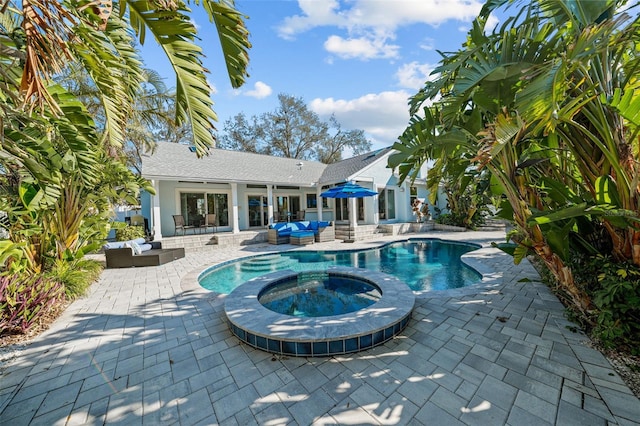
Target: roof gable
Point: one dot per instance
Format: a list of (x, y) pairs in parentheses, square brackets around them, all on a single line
[(345, 169)]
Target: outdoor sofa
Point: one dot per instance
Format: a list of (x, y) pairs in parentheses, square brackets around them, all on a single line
[(281, 232), (126, 254)]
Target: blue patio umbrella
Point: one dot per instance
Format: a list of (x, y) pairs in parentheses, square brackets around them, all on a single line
[(348, 190)]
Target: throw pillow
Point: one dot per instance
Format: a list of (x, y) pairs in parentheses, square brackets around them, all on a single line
[(136, 248)]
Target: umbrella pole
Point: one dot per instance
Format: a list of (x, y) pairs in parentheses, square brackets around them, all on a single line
[(353, 211)]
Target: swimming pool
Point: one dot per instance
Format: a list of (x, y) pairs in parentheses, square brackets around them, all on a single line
[(424, 264)]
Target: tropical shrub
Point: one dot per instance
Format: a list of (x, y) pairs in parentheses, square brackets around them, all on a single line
[(76, 276), (615, 290), (26, 300), (130, 233)]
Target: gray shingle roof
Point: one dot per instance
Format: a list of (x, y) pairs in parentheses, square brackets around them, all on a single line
[(176, 162), (172, 161)]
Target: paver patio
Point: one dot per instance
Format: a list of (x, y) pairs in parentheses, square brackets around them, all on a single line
[(148, 346)]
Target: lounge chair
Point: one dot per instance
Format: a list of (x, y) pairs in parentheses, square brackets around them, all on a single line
[(122, 254)]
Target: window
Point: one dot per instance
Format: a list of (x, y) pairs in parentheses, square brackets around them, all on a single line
[(413, 192), (312, 201), (192, 207), (342, 209), (382, 210), (219, 204), (391, 204), (287, 205), (258, 210), (343, 205), (387, 204)]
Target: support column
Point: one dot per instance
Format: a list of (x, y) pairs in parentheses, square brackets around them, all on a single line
[(270, 203), (376, 215), (319, 201), (234, 208), (156, 224)]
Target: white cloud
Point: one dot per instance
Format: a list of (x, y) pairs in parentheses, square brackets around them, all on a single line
[(260, 90), (427, 44), (383, 116), (361, 47), (370, 24), (212, 86), (376, 16), (492, 21), (413, 75)]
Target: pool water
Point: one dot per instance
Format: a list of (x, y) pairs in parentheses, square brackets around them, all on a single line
[(424, 264), (318, 295)]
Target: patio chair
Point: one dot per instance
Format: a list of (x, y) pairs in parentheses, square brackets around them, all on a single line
[(137, 220), (300, 215), (180, 225), (209, 222)]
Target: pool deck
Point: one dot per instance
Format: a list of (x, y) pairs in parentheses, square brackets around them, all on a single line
[(148, 346)]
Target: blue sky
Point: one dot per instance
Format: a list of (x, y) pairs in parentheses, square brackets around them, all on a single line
[(359, 59)]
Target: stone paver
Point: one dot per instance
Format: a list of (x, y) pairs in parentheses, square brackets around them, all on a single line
[(149, 346)]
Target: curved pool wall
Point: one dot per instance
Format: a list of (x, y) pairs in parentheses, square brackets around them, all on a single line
[(282, 334)]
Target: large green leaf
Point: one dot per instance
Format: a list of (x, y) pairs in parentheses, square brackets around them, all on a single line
[(607, 192), (234, 37), (626, 102), (558, 239), (175, 33)]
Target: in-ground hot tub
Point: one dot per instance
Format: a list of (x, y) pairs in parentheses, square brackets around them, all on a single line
[(389, 303)]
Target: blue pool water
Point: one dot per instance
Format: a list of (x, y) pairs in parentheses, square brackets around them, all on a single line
[(424, 264), (315, 294)]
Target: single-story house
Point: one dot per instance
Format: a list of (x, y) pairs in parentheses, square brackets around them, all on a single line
[(250, 191)]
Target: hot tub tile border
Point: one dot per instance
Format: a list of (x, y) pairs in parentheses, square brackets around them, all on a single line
[(250, 322)]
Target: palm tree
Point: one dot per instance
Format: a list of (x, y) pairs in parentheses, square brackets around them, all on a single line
[(539, 102), (59, 174), (99, 36)]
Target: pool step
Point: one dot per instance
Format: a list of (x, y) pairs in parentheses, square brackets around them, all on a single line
[(267, 263), (400, 252)]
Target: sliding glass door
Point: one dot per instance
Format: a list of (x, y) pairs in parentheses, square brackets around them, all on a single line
[(258, 210), (342, 209), (194, 206), (287, 206)]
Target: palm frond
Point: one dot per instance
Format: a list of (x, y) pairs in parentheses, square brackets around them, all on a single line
[(114, 67), (175, 33), (234, 37), (47, 28)]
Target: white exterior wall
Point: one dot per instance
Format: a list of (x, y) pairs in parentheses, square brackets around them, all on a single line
[(376, 177), (170, 191)]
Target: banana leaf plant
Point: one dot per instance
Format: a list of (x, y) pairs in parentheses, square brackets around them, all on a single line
[(555, 90)]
